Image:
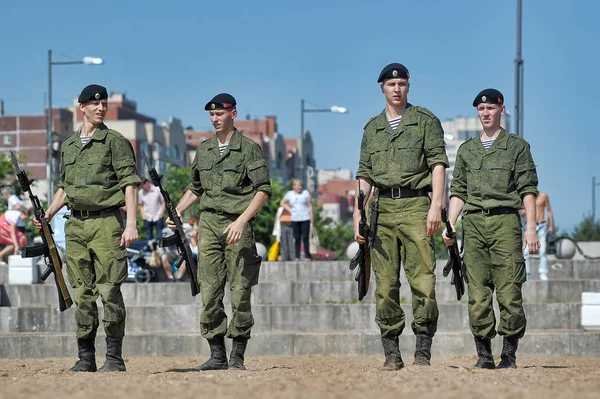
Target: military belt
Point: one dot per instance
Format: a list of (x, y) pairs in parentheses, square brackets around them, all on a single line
[(92, 214), (403, 192), (492, 212)]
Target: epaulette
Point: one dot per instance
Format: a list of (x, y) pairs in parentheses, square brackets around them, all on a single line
[(370, 120), (425, 111)]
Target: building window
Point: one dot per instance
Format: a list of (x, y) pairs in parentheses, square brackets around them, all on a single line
[(7, 139)]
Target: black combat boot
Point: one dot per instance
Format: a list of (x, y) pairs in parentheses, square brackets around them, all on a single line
[(423, 350), (236, 359), (114, 360), (484, 351), (393, 359), (508, 358), (87, 356), (218, 355)]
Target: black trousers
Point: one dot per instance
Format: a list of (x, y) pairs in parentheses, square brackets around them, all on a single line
[(301, 232)]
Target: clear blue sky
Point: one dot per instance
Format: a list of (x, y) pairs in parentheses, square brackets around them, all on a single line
[(172, 57)]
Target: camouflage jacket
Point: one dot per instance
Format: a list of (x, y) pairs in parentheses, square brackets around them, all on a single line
[(94, 176), (228, 183), (498, 177), (402, 157)]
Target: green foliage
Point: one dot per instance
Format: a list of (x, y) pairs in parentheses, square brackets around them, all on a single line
[(587, 230), (265, 219), (335, 237)]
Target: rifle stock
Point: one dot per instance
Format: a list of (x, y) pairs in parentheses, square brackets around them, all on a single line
[(179, 238), (48, 248)]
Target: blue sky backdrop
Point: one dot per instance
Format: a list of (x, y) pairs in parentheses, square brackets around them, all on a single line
[(172, 57)]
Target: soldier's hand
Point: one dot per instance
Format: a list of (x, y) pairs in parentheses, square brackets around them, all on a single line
[(447, 240), (531, 241), (234, 232), (38, 225), (130, 234), (171, 224), (359, 239), (434, 219)]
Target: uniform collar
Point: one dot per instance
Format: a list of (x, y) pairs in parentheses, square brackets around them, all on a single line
[(407, 118), (500, 143), (235, 143)]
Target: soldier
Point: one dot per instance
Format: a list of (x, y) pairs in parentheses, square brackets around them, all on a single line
[(230, 178), (403, 155), (97, 177), (494, 177)]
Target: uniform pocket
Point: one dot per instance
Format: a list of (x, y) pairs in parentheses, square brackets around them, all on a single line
[(233, 176), (251, 270), (411, 155), (379, 157), (519, 272), (501, 177), (99, 171), (118, 267)]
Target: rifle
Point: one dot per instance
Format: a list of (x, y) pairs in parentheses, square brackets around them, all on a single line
[(48, 248), (455, 262), (362, 259), (179, 238)]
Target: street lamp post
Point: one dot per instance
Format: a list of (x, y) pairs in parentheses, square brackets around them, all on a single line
[(49, 115), (333, 109), (519, 76), (594, 185)]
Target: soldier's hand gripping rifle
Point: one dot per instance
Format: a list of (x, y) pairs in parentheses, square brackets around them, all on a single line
[(362, 259), (47, 248), (178, 239), (455, 263)]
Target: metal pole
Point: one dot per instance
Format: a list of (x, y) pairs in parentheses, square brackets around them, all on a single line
[(518, 76), (593, 201), (49, 130), (303, 163)]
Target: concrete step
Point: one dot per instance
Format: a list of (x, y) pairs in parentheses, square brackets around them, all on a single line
[(324, 317), (338, 270), (359, 343), (290, 292)]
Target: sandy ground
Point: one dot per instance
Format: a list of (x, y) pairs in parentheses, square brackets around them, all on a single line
[(303, 377)]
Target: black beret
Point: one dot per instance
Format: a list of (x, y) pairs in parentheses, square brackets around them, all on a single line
[(489, 96), (393, 71), (93, 92), (221, 101)]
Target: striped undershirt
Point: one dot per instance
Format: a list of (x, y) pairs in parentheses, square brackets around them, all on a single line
[(222, 149), (487, 143), (395, 122), (85, 139)]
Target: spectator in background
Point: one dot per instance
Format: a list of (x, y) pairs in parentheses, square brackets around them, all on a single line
[(152, 209), (297, 202), (14, 203), (543, 226), (9, 234), (283, 232)]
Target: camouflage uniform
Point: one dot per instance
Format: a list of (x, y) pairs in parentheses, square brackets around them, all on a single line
[(492, 184), (403, 158), (94, 178), (226, 185)]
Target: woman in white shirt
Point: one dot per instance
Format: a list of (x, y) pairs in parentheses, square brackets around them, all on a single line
[(297, 202)]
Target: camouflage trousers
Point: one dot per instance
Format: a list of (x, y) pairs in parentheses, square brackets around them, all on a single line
[(401, 236), (97, 266), (494, 261), (219, 261)]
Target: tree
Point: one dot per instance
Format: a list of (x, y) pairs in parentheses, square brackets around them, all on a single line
[(587, 230), (335, 237), (265, 219)]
